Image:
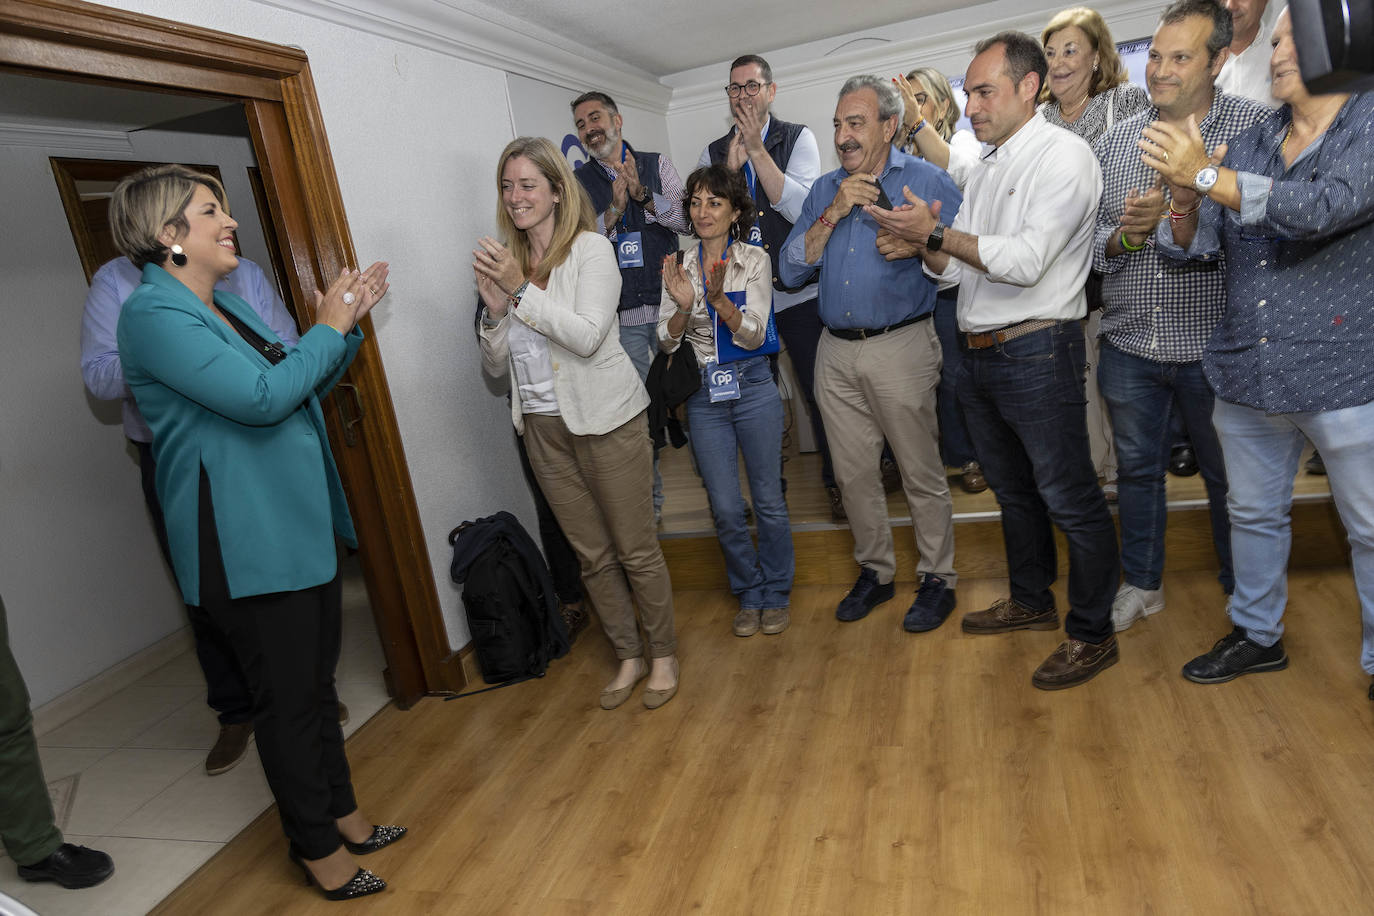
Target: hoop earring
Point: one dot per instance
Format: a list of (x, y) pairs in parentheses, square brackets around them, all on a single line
[(178, 256)]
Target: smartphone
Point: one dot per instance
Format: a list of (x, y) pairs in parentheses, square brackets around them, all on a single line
[(678, 254), (882, 200)]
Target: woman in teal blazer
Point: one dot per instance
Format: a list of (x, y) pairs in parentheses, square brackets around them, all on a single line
[(252, 498)]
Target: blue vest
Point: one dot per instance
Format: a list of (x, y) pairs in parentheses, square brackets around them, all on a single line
[(639, 286), (782, 137)]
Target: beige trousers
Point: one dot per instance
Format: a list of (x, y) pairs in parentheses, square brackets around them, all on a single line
[(601, 491), (884, 387)]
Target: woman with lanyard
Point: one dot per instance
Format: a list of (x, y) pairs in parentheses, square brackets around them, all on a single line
[(724, 311)]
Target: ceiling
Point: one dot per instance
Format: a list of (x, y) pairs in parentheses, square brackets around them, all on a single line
[(661, 38), (36, 101)]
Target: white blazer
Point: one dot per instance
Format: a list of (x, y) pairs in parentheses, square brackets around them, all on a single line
[(597, 387)]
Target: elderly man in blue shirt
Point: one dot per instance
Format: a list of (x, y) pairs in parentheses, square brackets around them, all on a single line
[(878, 361), (1292, 207)]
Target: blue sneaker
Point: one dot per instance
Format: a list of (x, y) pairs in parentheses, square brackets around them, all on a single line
[(864, 596), (934, 601)]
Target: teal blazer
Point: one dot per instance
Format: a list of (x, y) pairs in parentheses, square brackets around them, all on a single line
[(214, 402)]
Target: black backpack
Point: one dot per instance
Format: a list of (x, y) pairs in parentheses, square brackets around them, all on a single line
[(509, 596)]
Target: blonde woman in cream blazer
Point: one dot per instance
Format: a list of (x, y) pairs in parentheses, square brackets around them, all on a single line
[(550, 294), (721, 209)]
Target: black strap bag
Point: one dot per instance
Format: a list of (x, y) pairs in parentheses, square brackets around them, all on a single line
[(512, 608)]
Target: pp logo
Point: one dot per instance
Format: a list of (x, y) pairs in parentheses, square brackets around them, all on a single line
[(629, 248), (755, 235), (720, 377)]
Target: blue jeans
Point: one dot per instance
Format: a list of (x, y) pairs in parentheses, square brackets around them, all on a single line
[(956, 448), (1262, 452), (1026, 411), (752, 425), (1142, 395), (641, 345)]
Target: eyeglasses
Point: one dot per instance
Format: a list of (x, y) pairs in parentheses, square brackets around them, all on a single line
[(751, 89)]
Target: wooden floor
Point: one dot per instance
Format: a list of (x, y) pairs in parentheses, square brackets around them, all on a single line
[(856, 769)]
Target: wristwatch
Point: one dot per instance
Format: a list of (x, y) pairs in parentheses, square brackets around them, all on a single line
[(1205, 178), (936, 238)]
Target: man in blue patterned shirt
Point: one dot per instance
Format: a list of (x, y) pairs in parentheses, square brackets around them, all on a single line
[(1158, 311), (1293, 209)]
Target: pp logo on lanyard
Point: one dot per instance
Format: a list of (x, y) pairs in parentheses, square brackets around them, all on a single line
[(721, 382), (628, 250), (755, 235)]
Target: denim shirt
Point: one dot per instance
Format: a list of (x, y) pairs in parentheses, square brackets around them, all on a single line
[(859, 288), (1298, 332)]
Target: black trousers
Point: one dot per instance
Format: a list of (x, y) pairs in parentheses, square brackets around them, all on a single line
[(226, 689), (287, 644)]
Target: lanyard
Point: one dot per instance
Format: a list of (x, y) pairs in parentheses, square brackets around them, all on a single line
[(749, 166)]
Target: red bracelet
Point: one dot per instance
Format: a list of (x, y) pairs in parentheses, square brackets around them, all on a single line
[(822, 219)]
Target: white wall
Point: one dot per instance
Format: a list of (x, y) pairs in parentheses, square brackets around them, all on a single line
[(83, 581), (810, 75), (415, 129)]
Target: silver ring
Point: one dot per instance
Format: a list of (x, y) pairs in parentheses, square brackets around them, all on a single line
[(348, 299)]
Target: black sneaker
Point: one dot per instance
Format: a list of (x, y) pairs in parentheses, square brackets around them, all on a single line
[(71, 866), (1234, 655), (934, 601), (864, 596)]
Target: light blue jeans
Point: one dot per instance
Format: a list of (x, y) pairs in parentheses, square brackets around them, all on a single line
[(1262, 452), (641, 345), (752, 424)]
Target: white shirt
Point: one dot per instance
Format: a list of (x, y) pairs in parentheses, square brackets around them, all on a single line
[(803, 168), (1032, 202), (1247, 74), (533, 367), (964, 154)]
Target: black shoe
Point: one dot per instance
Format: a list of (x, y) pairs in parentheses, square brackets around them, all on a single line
[(1182, 461), (934, 600), (864, 596), (1234, 655), (1315, 465), (362, 884), (70, 866), (382, 835)]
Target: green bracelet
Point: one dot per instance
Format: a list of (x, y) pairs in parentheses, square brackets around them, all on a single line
[(1127, 245)]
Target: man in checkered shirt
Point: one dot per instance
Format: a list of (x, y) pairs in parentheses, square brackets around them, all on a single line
[(1159, 312)]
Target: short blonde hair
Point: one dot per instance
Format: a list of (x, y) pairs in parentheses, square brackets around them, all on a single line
[(937, 86), (148, 201), (572, 214), (1111, 72)]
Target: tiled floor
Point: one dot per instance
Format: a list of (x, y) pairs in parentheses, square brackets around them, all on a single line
[(128, 776)]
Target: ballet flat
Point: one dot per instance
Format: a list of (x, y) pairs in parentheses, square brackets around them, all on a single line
[(653, 699), (610, 699), (382, 835)]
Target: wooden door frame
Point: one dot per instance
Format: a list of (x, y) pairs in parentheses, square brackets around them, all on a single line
[(73, 39)]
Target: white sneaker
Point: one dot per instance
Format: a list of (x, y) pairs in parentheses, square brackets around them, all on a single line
[(1132, 604)]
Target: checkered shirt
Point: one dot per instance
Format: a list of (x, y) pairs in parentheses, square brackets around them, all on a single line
[(1156, 307)]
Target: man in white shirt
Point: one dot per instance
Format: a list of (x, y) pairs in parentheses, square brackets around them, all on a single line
[(1020, 250), (1246, 71)]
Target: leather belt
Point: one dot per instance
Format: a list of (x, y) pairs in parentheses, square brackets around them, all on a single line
[(865, 333), (1010, 332)]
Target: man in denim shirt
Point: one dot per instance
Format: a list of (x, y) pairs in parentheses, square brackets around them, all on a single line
[(878, 362), (1293, 209)]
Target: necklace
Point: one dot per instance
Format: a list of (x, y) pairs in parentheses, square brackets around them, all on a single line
[(1066, 114)]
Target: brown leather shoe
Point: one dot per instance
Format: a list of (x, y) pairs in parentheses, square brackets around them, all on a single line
[(1006, 615), (229, 748), (1075, 662), (972, 479)]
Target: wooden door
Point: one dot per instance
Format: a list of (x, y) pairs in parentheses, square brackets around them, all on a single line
[(77, 40)]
